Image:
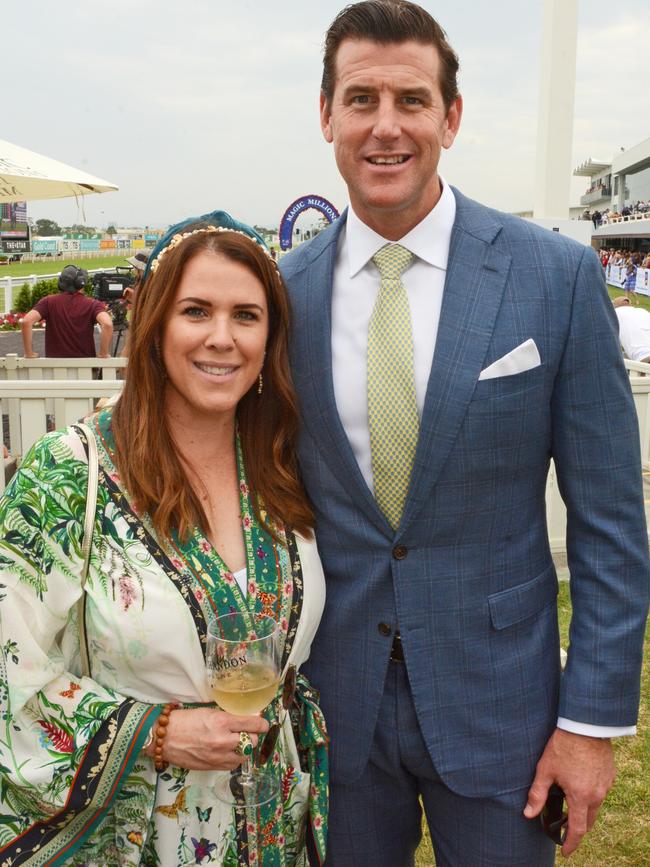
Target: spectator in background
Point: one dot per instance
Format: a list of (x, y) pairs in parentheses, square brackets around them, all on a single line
[(634, 329), (139, 263), (596, 218), (70, 318), (630, 281)]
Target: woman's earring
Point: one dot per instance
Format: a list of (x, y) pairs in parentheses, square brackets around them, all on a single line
[(260, 383)]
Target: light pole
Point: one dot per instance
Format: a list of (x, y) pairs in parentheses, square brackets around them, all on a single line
[(556, 102)]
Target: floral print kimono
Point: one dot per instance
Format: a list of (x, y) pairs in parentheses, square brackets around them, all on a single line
[(75, 787)]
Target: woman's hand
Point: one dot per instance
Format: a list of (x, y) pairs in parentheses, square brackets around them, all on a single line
[(204, 739)]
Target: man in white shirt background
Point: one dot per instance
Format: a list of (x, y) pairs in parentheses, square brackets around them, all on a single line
[(634, 329), (443, 353)]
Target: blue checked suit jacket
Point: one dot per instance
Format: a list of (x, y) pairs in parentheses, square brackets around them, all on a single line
[(475, 595)]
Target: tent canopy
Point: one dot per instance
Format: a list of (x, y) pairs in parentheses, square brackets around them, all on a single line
[(27, 176)]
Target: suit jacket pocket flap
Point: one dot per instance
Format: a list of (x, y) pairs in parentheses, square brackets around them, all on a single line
[(515, 604)]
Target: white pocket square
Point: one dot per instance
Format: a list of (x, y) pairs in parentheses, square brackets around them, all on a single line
[(521, 358)]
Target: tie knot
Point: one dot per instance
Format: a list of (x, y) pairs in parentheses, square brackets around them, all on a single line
[(392, 260)]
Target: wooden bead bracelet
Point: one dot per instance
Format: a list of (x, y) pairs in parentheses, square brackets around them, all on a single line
[(159, 736)]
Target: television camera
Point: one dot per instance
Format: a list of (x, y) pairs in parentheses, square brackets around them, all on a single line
[(110, 287)]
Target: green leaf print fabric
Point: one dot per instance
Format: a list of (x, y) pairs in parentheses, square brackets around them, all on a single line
[(74, 785)]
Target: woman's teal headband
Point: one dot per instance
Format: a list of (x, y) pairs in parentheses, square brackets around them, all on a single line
[(217, 221)]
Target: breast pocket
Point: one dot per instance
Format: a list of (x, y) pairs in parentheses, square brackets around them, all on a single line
[(505, 418), (509, 388)]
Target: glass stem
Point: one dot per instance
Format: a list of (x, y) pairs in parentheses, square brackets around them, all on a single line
[(247, 771)]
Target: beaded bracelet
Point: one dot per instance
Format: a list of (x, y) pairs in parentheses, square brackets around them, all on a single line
[(161, 730)]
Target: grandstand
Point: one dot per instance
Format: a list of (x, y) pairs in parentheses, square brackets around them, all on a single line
[(618, 198)]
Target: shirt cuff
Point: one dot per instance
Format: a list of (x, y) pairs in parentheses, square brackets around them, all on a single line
[(578, 728)]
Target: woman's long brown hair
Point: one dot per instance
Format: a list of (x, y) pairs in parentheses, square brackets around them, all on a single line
[(147, 456)]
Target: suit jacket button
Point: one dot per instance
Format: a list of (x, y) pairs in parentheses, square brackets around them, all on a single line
[(400, 552), (384, 629)]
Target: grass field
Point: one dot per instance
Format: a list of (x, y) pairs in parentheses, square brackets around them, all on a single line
[(644, 300), (621, 836), (54, 265)]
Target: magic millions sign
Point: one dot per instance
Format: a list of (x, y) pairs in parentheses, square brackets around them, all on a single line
[(298, 207)]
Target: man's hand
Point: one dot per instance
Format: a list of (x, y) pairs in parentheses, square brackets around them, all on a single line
[(103, 355), (582, 766), (31, 355)]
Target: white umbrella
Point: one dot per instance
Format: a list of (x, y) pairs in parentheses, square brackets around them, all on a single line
[(26, 176)]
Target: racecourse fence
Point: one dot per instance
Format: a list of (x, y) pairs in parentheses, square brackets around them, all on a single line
[(40, 394), (9, 284)]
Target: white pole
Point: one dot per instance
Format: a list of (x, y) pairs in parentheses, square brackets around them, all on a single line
[(556, 101), (9, 295)]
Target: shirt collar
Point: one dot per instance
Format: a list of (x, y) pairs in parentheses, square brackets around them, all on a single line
[(429, 240)]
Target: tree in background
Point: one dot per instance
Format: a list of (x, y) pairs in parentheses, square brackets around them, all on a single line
[(111, 230), (78, 229), (46, 228)]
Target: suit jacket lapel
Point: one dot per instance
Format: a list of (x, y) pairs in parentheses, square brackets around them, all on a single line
[(476, 277), (316, 385)]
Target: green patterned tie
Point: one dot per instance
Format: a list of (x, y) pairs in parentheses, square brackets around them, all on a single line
[(392, 408)]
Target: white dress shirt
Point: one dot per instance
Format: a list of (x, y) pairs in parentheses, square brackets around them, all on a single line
[(354, 292)]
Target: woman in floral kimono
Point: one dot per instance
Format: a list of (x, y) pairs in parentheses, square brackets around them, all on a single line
[(199, 513)]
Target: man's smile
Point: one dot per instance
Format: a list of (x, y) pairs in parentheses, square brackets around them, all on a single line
[(390, 160)]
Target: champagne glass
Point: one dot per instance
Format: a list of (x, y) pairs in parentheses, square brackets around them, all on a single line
[(243, 664)]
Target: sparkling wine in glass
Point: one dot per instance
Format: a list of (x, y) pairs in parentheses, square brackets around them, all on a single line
[(243, 664)]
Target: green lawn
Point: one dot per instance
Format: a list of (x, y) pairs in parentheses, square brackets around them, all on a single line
[(644, 300), (54, 265), (621, 836)]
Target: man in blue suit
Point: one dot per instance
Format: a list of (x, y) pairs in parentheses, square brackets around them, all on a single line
[(443, 354)]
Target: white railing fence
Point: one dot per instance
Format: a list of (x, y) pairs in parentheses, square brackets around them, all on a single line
[(14, 366), (9, 284), (37, 394), (26, 403), (65, 391)]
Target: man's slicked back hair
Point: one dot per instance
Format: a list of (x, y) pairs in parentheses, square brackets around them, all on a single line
[(389, 22)]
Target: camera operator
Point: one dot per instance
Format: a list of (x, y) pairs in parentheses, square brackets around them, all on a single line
[(70, 318), (139, 263), (116, 288)]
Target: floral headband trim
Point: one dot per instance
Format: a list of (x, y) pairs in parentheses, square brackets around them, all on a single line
[(182, 236)]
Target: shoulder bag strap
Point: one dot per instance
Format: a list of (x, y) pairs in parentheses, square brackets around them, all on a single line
[(89, 521)]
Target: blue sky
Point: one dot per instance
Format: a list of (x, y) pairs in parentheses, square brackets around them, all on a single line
[(214, 104)]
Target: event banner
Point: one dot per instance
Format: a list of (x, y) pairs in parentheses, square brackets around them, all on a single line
[(107, 244), (616, 275), (89, 244), (45, 245), (643, 281), (14, 245), (68, 245)]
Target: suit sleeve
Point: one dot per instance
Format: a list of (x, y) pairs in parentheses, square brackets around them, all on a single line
[(597, 456)]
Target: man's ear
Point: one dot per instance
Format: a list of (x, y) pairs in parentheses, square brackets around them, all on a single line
[(452, 122), (326, 118)]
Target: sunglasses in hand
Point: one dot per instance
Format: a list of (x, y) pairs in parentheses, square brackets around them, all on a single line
[(553, 818), (271, 737)]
